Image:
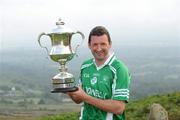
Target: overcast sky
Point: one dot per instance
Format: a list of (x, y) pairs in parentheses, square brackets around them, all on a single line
[(129, 21)]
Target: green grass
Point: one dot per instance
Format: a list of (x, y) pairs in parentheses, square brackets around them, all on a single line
[(19, 117), (63, 116), (137, 110)]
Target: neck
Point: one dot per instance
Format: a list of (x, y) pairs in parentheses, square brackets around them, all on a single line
[(99, 62)]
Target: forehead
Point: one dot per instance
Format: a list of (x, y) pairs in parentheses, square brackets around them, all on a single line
[(99, 39)]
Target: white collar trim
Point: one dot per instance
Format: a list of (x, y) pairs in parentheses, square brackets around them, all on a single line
[(105, 63)]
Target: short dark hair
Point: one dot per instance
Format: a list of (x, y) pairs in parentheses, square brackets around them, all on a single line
[(98, 31)]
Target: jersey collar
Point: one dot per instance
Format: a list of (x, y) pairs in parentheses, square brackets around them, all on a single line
[(108, 61)]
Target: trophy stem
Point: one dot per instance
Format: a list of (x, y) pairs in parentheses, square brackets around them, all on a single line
[(62, 67)]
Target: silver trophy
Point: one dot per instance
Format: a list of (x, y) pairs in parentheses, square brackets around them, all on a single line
[(62, 52)]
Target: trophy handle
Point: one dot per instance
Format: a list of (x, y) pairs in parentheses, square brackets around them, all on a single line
[(82, 35), (39, 37)]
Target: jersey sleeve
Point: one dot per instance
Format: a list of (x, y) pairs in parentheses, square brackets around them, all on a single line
[(121, 84)]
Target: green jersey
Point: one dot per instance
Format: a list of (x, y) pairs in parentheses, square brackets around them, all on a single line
[(109, 81)]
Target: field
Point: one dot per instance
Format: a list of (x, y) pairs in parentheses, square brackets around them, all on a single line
[(36, 112)]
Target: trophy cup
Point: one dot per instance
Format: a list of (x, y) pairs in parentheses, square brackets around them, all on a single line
[(62, 52)]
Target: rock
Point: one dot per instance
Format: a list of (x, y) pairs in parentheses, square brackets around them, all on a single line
[(157, 112)]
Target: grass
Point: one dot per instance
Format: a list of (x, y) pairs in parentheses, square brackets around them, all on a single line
[(135, 110), (2, 117), (35, 112)]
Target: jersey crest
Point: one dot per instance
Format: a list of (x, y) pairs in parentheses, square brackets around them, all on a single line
[(93, 80)]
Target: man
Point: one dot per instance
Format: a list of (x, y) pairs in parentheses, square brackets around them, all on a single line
[(104, 80)]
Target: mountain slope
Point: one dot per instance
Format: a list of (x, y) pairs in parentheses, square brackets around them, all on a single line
[(138, 110)]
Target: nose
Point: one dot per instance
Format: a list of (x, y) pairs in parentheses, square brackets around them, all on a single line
[(99, 48)]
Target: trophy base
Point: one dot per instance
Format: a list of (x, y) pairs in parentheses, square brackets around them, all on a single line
[(63, 82), (64, 90)]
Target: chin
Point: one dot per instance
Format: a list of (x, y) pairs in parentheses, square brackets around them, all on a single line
[(100, 58)]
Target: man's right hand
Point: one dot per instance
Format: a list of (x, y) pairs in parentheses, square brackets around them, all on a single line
[(77, 96)]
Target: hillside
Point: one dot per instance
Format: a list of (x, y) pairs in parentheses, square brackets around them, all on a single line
[(28, 69), (25, 80), (138, 110)]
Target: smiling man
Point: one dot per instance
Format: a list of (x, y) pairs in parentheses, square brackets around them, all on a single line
[(104, 81)]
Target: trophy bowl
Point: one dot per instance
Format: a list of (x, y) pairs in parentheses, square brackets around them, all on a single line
[(61, 52)]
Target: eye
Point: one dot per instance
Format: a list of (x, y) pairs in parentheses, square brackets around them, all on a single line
[(103, 44), (95, 44)]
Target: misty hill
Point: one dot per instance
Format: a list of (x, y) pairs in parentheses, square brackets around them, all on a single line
[(154, 69)]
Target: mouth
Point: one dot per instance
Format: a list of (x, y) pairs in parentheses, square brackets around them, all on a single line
[(99, 53)]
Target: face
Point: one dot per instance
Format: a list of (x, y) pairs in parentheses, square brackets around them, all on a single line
[(99, 47)]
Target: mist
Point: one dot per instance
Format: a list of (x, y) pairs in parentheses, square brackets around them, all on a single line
[(140, 22)]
